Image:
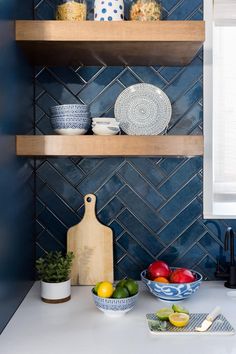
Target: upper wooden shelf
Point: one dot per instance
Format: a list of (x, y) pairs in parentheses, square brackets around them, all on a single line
[(167, 43), (122, 145)]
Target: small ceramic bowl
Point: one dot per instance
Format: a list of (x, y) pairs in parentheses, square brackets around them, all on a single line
[(115, 307), (105, 130), (71, 125), (172, 292), (105, 121), (69, 109)]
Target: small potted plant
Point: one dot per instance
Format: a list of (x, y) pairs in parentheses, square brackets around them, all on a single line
[(54, 273)]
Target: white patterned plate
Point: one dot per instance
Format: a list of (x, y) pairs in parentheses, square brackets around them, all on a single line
[(143, 109)]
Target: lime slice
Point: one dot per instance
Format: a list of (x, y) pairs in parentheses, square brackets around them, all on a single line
[(179, 319), (164, 313), (180, 309)]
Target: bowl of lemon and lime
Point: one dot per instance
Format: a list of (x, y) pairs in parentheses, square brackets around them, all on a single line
[(117, 300)]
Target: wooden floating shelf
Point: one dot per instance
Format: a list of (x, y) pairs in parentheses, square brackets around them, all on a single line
[(123, 145), (168, 43)]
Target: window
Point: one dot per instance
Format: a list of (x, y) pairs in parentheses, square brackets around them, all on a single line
[(220, 110)]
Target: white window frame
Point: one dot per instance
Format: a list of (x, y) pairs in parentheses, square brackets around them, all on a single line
[(212, 209)]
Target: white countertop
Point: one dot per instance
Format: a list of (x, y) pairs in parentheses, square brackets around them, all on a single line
[(78, 327)]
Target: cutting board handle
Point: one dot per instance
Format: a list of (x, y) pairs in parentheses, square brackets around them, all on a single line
[(90, 205)]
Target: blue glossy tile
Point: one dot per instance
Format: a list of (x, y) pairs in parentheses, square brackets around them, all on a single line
[(188, 123), (109, 189), (208, 267), (58, 206), (211, 245), (96, 86), (59, 185), (169, 165), (140, 186), (117, 229), (186, 79), (110, 211), (88, 72), (185, 9), (182, 105), (130, 268), (140, 209), (68, 169), (169, 73), (89, 164), (99, 176), (178, 248), (182, 175), (135, 251), (106, 99), (149, 169), (54, 88), (181, 199), (145, 237), (148, 75), (191, 258), (49, 243), (53, 225), (128, 78), (68, 78), (181, 222)]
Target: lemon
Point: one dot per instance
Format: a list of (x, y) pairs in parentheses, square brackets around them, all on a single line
[(164, 313), (179, 319), (179, 309), (105, 289)]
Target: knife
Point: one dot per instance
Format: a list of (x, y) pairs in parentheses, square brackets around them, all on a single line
[(206, 324)]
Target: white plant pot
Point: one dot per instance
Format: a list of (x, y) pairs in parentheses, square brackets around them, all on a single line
[(108, 10), (54, 293)]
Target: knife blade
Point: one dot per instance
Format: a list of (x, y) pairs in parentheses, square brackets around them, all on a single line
[(206, 324)]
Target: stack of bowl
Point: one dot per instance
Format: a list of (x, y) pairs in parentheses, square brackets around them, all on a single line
[(105, 126), (70, 119)]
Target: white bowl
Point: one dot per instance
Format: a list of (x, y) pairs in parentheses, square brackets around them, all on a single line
[(105, 120), (71, 131), (105, 130)]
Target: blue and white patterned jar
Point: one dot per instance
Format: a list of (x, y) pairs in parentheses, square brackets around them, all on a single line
[(108, 10)]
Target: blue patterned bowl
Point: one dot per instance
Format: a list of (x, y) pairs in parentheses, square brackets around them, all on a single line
[(114, 307), (69, 109), (172, 292)]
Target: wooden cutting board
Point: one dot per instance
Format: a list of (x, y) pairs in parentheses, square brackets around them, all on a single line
[(92, 244)]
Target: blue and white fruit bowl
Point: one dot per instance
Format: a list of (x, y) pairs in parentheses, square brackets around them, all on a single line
[(172, 292), (115, 307)]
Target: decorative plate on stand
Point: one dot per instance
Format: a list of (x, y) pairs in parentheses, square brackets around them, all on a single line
[(143, 109)]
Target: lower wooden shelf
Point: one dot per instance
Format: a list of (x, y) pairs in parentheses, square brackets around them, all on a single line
[(123, 145)]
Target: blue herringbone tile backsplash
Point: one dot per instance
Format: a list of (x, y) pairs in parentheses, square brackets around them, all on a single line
[(154, 205)]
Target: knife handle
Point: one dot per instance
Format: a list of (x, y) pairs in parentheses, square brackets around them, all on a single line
[(214, 313)]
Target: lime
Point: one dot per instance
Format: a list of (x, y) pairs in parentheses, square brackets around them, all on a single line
[(95, 289), (132, 286), (121, 283), (179, 319), (164, 313), (179, 309), (120, 293), (105, 289)]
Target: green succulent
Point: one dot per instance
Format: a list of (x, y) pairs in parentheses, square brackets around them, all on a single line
[(54, 267)]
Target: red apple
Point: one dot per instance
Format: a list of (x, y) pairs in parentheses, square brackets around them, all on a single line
[(182, 275), (158, 269)]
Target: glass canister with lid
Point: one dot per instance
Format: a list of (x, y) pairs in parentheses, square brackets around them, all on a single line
[(145, 10), (71, 10)]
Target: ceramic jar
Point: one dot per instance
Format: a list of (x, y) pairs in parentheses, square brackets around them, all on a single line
[(109, 10)]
